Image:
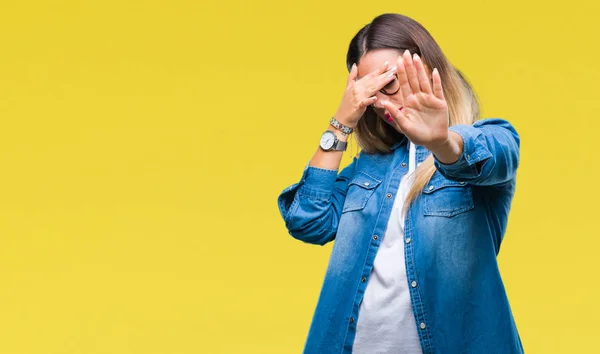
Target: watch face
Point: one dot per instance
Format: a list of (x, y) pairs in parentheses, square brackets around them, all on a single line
[(327, 140)]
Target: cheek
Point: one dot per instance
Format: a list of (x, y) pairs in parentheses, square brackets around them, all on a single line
[(380, 113)]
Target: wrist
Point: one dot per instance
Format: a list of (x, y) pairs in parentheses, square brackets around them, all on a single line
[(341, 136), (449, 150), (344, 120), (440, 145)]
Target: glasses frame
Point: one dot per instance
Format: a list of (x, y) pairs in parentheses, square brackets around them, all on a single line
[(393, 93)]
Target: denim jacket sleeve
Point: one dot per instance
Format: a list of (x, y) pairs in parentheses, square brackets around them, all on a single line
[(490, 153), (312, 207)]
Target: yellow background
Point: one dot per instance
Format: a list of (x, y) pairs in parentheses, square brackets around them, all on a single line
[(143, 145)]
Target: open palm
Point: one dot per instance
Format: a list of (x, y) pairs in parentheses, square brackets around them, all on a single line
[(424, 118)]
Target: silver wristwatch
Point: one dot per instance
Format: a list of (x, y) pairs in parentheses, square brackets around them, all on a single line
[(330, 142)]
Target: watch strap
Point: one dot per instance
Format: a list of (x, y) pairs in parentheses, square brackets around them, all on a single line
[(339, 145)]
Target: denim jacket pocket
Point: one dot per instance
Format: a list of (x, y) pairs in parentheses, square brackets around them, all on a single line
[(360, 189), (442, 197)]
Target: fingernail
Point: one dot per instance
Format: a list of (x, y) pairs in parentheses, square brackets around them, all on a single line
[(391, 74), (415, 56), (383, 102), (388, 116), (386, 64), (406, 51), (400, 108), (389, 119)]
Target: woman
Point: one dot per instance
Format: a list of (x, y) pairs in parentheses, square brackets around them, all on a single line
[(419, 214)]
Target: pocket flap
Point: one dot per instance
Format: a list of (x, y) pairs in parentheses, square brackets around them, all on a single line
[(364, 180), (438, 182), (360, 189)]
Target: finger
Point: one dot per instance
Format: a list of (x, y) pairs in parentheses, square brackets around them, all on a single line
[(403, 79), (367, 102), (353, 74), (422, 75), (438, 90), (382, 69), (385, 78), (379, 82), (413, 80), (397, 114), (392, 108)]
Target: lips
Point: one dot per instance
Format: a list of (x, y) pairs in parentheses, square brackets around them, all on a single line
[(389, 116)]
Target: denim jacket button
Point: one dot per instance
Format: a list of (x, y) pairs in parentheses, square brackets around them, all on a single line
[(408, 240), (404, 164), (389, 195), (413, 284), (375, 237), (363, 280), (351, 319), (430, 188), (366, 184), (422, 325)]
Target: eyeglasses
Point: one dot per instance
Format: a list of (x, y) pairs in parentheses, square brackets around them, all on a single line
[(392, 88)]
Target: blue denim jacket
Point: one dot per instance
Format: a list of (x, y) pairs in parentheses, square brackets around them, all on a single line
[(453, 233)]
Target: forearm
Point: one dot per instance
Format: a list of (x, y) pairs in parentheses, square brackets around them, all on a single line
[(312, 207), (488, 154)]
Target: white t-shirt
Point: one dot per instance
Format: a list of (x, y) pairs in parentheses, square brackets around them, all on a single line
[(386, 323)]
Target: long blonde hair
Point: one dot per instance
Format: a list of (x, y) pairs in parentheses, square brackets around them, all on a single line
[(399, 32)]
